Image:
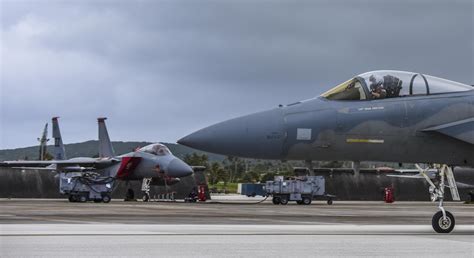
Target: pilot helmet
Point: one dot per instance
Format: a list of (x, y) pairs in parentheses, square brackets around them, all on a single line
[(375, 82)]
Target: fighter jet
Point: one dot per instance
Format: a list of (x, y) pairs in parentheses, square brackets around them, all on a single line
[(389, 116), (154, 164)]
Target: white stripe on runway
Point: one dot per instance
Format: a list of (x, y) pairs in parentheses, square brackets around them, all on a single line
[(202, 229)]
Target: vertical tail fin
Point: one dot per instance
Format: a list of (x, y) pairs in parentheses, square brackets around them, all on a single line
[(105, 146), (59, 151), (43, 143)]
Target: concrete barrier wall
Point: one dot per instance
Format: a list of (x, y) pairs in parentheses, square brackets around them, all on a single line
[(371, 187)]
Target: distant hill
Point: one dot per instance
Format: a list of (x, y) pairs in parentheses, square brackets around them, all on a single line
[(90, 149)]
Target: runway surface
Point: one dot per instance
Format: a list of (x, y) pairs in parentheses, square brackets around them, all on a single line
[(58, 228), (236, 210)]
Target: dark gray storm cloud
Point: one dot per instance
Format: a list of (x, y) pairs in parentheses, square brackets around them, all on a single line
[(162, 69)]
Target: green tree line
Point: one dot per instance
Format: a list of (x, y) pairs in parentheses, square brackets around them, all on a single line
[(238, 170)]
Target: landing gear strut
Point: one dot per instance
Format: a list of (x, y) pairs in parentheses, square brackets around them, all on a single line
[(443, 221), (146, 189)]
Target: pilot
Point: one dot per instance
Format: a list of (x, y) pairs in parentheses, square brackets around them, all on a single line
[(161, 151), (377, 90)]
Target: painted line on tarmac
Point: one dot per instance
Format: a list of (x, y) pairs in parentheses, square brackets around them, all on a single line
[(178, 235), (198, 229)]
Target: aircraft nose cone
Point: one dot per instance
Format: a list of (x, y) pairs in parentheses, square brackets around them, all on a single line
[(198, 140), (258, 135), (177, 168)]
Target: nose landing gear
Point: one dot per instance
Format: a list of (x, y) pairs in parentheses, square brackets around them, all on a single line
[(146, 189), (443, 221)]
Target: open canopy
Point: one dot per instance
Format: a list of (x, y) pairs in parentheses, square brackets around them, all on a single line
[(392, 84), (157, 149)]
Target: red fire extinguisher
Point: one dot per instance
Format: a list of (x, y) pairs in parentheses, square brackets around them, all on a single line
[(202, 193), (388, 194)]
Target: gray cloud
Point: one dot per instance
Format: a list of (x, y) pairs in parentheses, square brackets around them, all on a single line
[(160, 70)]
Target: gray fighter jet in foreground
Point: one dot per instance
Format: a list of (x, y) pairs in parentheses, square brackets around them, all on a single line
[(154, 164), (389, 116)]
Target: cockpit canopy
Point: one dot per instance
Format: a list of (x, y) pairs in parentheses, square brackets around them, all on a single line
[(392, 84), (157, 149)]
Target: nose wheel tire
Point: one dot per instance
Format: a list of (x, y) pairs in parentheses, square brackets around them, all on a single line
[(442, 225)]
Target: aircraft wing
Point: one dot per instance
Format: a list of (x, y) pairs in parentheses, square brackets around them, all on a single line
[(431, 176), (76, 163), (464, 185), (462, 130), (412, 173), (406, 176)]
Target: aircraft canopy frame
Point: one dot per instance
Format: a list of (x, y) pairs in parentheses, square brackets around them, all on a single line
[(392, 84), (156, 149)]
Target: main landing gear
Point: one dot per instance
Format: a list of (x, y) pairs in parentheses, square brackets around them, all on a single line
[(443, 221)]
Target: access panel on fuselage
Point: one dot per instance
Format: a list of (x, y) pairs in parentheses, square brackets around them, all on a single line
[(310, 134)]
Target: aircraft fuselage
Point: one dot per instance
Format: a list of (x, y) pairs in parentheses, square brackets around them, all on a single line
[(389, 130)]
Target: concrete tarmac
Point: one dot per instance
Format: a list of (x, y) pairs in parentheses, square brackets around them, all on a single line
[(54, 228), (227, 210)]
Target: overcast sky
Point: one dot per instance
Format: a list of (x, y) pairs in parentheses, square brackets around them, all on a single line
[(160, 70)]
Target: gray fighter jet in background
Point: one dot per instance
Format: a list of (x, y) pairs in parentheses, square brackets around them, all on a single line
[(389, 116), (154, 164)]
